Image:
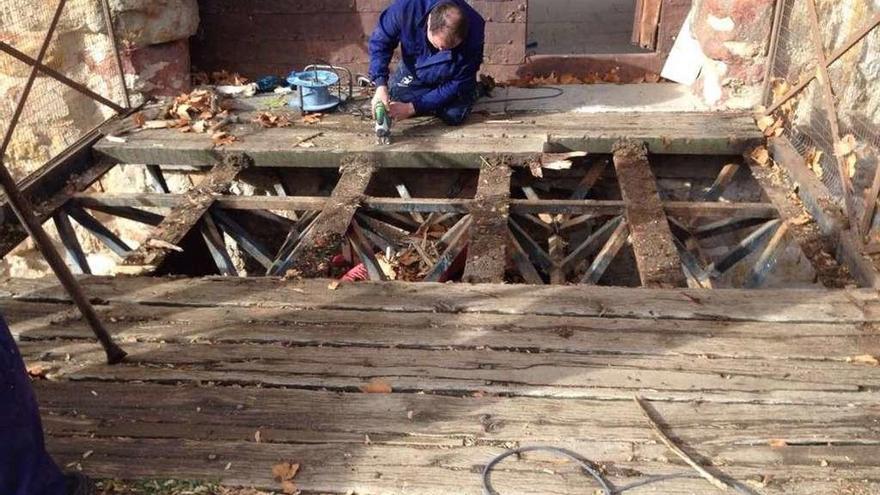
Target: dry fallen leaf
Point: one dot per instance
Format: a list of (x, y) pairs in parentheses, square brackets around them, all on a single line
[(284, 471), (814, 161), (765, 122), (333, 285), (138, 119), (864, 359), (760, 155), (851, 161), (289, 488), (535, 168), (778, 443), (376, 386), (845, 146), (312, 118)]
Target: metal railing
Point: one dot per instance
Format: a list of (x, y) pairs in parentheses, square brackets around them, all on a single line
[(46, 45)]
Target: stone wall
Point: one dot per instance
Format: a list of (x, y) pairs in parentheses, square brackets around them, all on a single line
[(154, 47), (734, 36)]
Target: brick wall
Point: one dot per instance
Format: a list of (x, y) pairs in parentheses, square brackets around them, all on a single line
[(261, 37)]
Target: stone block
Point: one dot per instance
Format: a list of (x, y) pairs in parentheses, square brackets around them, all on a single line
[(158, 70), (140, 23)]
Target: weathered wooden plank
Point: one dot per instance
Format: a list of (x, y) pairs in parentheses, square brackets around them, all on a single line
[(181, 220), (437, 146), (597, 268), (463, 371), (487, 248), (324, 236), (378, 469), (99, 230), (656, 256), (721, 182), (576, 335), (217, 246), (783, 305), (327, 417)]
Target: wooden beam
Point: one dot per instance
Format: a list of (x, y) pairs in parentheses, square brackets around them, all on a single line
[(523, 263), (456, 242), (820, 204), (217, 247), (767, 260), (487, 250), (50, 186), (606, 255), (742, 249), (77, 260), (325, 235), (97, 229), (728, 172), (590, 179), (128, 212), (590, 245), (241, 236), (178, 223), (536, 253), (656, 255), (157, 179), (365, 253), (682, 209)]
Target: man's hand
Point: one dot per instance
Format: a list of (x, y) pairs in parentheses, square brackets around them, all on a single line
[(401, 111), (382, 95)]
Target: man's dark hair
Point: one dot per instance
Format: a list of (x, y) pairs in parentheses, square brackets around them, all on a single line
[(450, 20)]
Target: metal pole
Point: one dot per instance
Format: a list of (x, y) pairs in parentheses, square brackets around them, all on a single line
[(111, 32), (25, 213)]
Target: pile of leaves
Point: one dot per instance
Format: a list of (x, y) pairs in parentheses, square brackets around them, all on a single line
[(612, 76), (218, 78), (415, 260), (268, 120), (170, 487), (202, 111)]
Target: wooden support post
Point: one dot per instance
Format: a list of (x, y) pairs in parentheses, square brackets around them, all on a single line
[(98, 229), (365, 253), (536, 253), (250, 245), (403, 192), (77, 258), (178, 223), (556, 251), (728, 172), (157, 179), (606, 255), (726, 226), (130, 213), (325, 235), (487, 251), (767, 260), (742, 249), (697, 277), (822, 206), (217, 247), (590, 179), (522, 262), (656, 255), (592, 244), (454, 247)]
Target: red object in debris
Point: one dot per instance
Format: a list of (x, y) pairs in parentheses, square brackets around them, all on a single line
[(339, 261), (359, 272)]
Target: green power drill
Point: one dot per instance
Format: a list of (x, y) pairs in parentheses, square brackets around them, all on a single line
[(383, 123)]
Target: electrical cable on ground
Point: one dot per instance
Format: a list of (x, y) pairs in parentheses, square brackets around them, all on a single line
[(585, 464)]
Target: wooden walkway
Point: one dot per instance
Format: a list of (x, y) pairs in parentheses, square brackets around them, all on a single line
[(229, 376), (423, 143)]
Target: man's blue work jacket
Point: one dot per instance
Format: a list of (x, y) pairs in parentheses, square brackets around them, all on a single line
[(449, 72)]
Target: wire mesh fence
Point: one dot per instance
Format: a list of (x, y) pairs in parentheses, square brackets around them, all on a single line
[(837, 135), (55, 114)]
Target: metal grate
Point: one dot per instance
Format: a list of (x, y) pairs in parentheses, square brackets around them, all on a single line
[(814, 122), (55, 114)]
